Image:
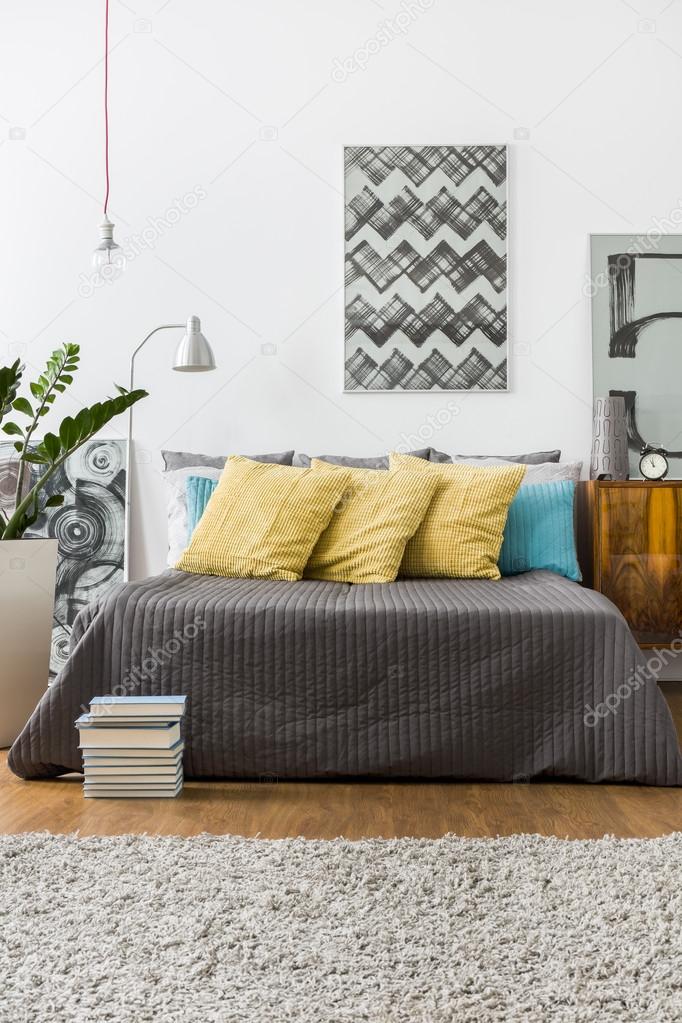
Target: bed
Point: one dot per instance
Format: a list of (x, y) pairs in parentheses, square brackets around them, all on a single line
[(520, 678)]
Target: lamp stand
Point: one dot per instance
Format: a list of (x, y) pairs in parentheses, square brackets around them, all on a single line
[(129, 451)]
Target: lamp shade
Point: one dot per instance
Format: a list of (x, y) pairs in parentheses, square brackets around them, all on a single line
[(194, 354), (609, 440)]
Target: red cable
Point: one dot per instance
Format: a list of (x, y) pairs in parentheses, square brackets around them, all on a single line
[(106, 102)]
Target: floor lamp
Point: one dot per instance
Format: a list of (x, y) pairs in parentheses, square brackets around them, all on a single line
[(193, 355)]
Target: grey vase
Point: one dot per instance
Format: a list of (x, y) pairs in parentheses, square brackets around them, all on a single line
[(609, 440)]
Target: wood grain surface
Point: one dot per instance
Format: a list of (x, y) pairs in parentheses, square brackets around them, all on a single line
[(638, 555), (355, 810)]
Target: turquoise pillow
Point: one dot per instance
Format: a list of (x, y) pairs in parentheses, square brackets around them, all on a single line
[(540, 532), (198, 490)]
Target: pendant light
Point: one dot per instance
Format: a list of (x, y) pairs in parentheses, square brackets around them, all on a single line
[(108, 258)]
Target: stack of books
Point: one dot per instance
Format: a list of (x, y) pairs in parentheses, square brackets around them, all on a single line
[(132, 746)]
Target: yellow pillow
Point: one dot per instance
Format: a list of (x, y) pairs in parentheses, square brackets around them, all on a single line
[(263, 520), (461, 534), (365, 540)]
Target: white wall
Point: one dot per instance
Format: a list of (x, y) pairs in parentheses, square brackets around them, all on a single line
[(238, 99)]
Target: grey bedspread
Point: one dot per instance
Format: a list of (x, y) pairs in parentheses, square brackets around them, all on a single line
[(419, 678)]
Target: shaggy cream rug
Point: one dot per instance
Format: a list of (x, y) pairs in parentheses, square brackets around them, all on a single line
[(228, 929)]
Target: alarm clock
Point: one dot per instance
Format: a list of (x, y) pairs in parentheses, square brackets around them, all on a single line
[(653, 464)]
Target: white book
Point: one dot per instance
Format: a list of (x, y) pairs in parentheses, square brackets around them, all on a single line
[(169, 770), (122, 763), (153, 781), (136, 782), (121, 754), (130, 764), (161, 736), (137, 706), (119, 720), (113, 792)]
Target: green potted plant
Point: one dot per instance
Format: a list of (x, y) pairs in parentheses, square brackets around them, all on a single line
[(28, 566)]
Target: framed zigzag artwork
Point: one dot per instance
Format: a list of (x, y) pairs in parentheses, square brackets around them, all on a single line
[(425, 268)]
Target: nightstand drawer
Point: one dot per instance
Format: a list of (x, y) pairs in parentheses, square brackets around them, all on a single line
[(648, 590), (638, 555)]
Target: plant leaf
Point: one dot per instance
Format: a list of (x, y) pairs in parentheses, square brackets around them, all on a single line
[(55, 501), (84, 422), (10, 379), (67, 433), (13, 430), (23, 405), (52, 446)]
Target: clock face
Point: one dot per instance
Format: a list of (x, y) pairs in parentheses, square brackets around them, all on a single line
[(653, 465)]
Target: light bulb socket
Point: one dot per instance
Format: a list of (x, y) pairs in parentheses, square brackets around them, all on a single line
[(106, 231)]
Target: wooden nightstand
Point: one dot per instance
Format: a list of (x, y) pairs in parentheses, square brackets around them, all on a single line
[(636, 553)]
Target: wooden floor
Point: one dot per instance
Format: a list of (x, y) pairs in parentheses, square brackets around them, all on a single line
[(326, 810)]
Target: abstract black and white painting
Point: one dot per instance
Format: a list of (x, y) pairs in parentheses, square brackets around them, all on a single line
[(636, 289), (426, 268), (89, 526)]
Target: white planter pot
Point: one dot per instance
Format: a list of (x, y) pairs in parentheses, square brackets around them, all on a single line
[(27, 580)]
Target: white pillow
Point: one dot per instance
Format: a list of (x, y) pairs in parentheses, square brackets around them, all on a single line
[(548, 472), (176, 485), (541, 472)]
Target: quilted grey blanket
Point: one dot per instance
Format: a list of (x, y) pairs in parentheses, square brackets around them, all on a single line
[(504, 680)]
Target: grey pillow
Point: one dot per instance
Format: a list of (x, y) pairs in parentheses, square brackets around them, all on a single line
[(181, 459), (438, 456), (532, 458), (379, 462)]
